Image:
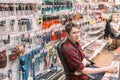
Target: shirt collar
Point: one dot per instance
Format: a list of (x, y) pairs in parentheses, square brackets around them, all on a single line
[(76, 44)]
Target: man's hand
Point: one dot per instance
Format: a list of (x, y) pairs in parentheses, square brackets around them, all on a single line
[(86, 62), (77, 73), (112, 69), (91, 62)]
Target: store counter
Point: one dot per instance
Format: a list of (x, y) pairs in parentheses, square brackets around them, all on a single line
[(116, 61)]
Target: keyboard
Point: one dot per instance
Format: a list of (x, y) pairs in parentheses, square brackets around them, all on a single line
[(113, 76)]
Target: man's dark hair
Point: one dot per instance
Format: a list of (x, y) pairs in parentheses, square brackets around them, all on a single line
[(111, 16), (69, 27)]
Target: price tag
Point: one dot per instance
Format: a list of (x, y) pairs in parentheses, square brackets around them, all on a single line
[(38, 54), (35, 56), (33, 60), (53, 32)]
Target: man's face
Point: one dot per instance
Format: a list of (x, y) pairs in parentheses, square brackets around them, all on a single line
[(113, 17), (74, 34)]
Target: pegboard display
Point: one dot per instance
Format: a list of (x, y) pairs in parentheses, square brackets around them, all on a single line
[(30, 29)]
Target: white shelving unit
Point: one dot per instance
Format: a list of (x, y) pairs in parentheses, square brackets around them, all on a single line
[(98, 51), (87, 44)]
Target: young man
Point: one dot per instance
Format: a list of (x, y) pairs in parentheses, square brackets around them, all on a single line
[(114, 26), (75, 58)]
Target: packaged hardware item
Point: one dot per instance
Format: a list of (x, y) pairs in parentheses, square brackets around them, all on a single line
[(3, 59)]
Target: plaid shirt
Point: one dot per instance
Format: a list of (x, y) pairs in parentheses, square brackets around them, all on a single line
[(73, 56)]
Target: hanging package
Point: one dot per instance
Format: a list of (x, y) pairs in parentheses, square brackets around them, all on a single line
[(23, 67), (3, 59), (28, 23), (13, 56), (7, 41), (15, 53)]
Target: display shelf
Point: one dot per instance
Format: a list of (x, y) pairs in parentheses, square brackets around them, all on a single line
[(29, 9), (62, 77), (92, 32), (62, 12), (59, 72), (88, 33), (50, 74), (95, 48), (55, 6), (99, 24), (98, 51), (91, 41), (87, 44)]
